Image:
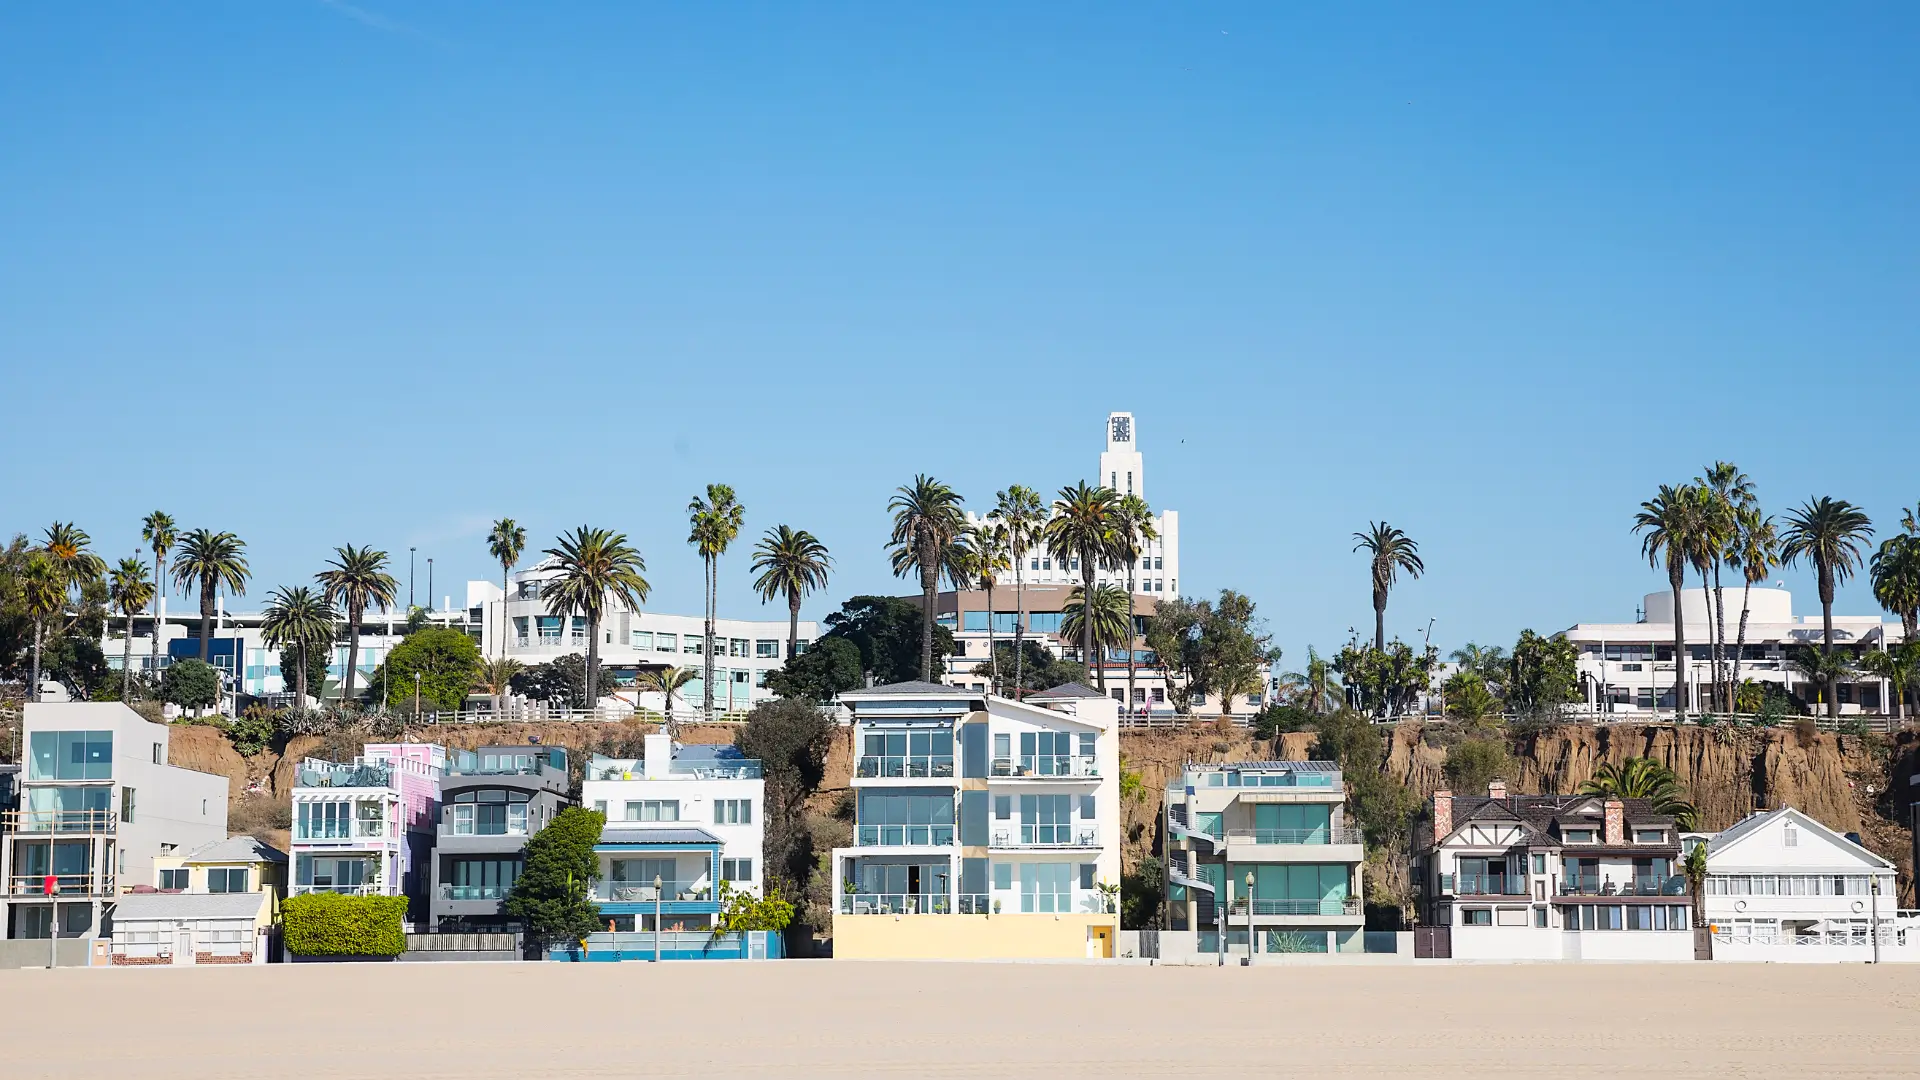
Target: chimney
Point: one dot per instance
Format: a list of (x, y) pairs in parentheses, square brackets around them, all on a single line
[(1616, 827), (1442, 815), (1496, 789)]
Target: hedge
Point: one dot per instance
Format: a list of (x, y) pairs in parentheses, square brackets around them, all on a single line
[(329, 924)]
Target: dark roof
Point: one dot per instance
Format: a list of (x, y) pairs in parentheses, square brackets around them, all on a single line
[(911, 688), (1066, 690), (234, 849), (1543, 815), (658, 836)]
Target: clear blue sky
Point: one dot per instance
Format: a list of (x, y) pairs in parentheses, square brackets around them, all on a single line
[(379, 272)]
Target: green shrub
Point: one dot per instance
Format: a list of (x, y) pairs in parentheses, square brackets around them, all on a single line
[(329, 924), (190, 684)]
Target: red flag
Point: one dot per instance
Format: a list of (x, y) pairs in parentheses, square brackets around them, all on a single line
[(47, 885)]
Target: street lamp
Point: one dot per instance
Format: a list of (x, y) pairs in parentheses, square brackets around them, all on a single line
[(410, 568), (1249, 917), (1873, 925), (657, 886), (416, 697)]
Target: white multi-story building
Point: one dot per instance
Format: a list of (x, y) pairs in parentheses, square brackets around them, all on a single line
[(983, 827), (1629, 666), (1781, 887), (366, 827), (745, 650), (686, 816), (98, 803)]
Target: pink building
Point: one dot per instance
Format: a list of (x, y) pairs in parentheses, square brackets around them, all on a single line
[(366, 827)]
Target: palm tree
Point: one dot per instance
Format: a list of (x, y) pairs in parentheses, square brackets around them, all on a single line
[(210, 561), (1895, 572), (791, 563), (716, 521), (1391, 551), (594, 563), (159, 532), (505, 542), (1487, 661), (357, 579), (302, 619), (1728, 493), (1084, 529), (1021, 511), (1316, 687), (1828, 533), (990, 555), (1136, 532), (1898, 666), (1104, 620), (1671, 522), (927, 526), (129, 590), (1826, 670), (666, 682), (1694, 866), (1644, 778), (43, 592), (1755, 551), (496, 678)]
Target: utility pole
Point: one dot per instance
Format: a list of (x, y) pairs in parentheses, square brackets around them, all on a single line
[(410, 569), (429, 583)]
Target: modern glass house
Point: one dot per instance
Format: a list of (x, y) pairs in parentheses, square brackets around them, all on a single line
[(491, 801)]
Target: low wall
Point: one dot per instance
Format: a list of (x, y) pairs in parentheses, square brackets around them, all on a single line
[(32, 953), (429, 948), (1181, 948), (968, 937), (642, 946), (1743, 951)]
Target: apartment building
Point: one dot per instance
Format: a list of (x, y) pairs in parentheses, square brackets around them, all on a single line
[(983, 827), (681, 820), (492, 800), (1261, 858), (366, 827), (1549, 877), (1783, 888), (99, 802)]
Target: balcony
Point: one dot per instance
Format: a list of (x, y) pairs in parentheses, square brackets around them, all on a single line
[(1483, 885), (636, 769), (343, 890), (27, 886), (1263, 907), (1031, 767), (1048, 838), (906, 904), (904, 836), (633, 892), (356, 775), (1333, 834), (550, 641), (1640, 885), (475, 892), (59, 821), (920, 766)]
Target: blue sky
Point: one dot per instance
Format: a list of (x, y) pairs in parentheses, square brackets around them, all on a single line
[(380, 272)]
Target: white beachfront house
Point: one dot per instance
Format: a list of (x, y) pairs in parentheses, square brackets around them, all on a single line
[(1781, 887)]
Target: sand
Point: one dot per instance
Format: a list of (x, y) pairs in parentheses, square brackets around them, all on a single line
[(847, 1019)]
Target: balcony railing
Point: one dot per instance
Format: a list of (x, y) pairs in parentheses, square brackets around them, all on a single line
[(475, 892), (1031, 766), (905, 836), (345, 776), (1325, 906), (1333, 834), (899, 904), (920, 765), (1048, 836), (59, 821), (549, 641), (31, 885), (635, 892), (1483, 885), (343, 890), (1639, 885)]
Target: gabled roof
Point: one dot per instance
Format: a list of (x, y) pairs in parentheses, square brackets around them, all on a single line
[(910, 688), (1753, 824), (1065, 690), (172, 905), (681, 835), (1539, 814), (234, 849)]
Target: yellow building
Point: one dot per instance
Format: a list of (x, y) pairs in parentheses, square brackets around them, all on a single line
[(238, 864)]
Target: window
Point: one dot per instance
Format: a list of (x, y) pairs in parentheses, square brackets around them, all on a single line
[(227, 880), (1476, 916), (71, 755), (767, 650), (738, 647), (733, 811), (654, 810), (600, 807), (1159, 695), (1044, 622), (1577, 836), (1003, 875), (1003, 808), (1087, 871), (1046, 887), (481, 879), (692, 645), (1649, 836), (1046, 819), (904, 817), (959, 648), (666, 642), (973, 620), (1790, 836), (736, 869), (156, 754), (1539, 916), (642, 639), (126, 805), (1539, 867), (1086, 808), (176, 879)]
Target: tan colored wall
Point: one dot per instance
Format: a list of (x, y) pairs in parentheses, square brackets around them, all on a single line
[(964, 937)]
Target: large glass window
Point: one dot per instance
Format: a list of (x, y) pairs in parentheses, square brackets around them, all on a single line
[(481, 879), (1046, 753), (71, 755), (1046, 887), (227, 879), (331, 820), (733, 811), (67, 809), (1046, 819), (176, 879), (888, 817), (1044, 622), (654, 810)]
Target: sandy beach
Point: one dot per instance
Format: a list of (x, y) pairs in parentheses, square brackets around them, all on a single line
[(821, 1018)]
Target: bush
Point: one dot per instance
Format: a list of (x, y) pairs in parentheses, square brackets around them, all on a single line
[(1806, 731), (328, 924), (745, 911), (1474, 762), (190, 684), (254, 731)]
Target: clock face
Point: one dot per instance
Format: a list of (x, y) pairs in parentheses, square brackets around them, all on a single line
[(1122, 429)]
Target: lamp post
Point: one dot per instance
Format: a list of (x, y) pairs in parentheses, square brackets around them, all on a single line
[(429, 583), (1249, 918), (1873, 924), (416, 697), (657, 886)]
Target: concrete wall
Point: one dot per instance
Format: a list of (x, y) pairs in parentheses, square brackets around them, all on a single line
[(967, 937), (29, 953)]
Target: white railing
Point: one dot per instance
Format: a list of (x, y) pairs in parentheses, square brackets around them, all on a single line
[(1332, 834), (28, 885), (344, 890), (540, 712), (1045, 767), (1040, 837)]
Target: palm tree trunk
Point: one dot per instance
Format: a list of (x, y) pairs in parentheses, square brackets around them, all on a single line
[(353, 652), (1720, 633), (1740, 645), (929, 588), (793, 624), (33, 686), (1130, 665), (126, 662), (504, 571), (591, 691), (300, 677), (1826, 626), (206, 618), (1020, 623), (159, 598), (993, 660), (1678, 581), (706, 659), (1380, 620), (1086, 624)]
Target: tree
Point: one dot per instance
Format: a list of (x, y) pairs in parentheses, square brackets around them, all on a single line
[(1826, 670), (1108, 614), (1469, 702), (190, 684), (829, 667), (296, 619), (496, 679), (1474, 762), (666, 682), (1390, 551), (1694, 866), (791, 563), (44, 596), (1136, 531), (356, 578), (1020, 510), (1726, 493), (1040, 669), (742, 911), (1488, 662), (211, 561), (1084, 533), (563, 679), (1671, 523), (1899, 665), (159, 533), (595, 564), (437, 667), (553, 897), (1755, 552), (312, 666), (989, 554), (1544, 673), (885, 634), (1385, 682), (1644, 778), (927, 527), (714, 523), (1895, 573), (1233, 648), (130, 590), (1828, 533), (1315, 688), (506, 542), (1173, 633), (790, 740)]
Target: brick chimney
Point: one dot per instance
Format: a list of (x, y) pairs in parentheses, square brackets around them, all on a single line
[(1442, 815), (1616, 828), (1496, 789)]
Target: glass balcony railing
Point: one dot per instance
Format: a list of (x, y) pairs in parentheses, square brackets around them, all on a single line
[(638, 892), (904, 767), (58, 821), (905, 835), (1639, 885), (897, 904), (1326, 834), (1046, 766), (1048, 836), (1483, 885), (475, 892), (1329, 905), (361, 775)]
